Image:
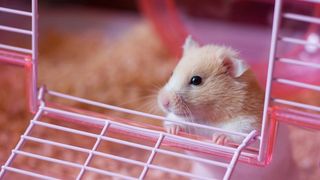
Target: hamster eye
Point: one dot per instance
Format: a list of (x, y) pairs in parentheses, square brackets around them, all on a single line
[(196, 80)]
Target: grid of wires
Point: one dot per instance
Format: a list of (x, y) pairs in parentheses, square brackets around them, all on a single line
[(97, 138)]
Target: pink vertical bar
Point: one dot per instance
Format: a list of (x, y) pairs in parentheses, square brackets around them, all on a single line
[(272, 134), (247, 141), (272, 56), (32, 81)]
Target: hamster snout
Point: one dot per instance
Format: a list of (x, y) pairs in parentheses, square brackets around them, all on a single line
[(170, 101), (164, 100)]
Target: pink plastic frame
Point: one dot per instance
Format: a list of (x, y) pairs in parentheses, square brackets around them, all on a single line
[(27, 58)]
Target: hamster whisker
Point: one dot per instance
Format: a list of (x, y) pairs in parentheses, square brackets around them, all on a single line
[(150, 106), (188, 114), (155, 87), (138, 99), (154, 90), (186, 91)]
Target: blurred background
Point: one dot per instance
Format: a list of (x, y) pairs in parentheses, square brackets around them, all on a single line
[(121, 52)]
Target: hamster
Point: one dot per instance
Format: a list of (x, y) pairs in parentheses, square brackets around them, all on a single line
[(211, 85)]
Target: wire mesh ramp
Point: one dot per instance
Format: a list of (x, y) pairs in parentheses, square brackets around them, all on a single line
[(45, 142)]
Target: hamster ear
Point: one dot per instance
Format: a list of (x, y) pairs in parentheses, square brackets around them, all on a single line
[(189, 43), (235, 67)]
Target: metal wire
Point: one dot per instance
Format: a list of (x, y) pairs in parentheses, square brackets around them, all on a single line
[(99, 137)]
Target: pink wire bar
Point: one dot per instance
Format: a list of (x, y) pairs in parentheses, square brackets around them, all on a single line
[(17, 30), (28, 173), (14, 58), (26, 57), (312, 1), (298, 118), (236, 155), (33, 79), (14, 11), (272, 57), (13, 48), (298, 84), (296, 104), (298, 62), (298, 41), (302, 18)]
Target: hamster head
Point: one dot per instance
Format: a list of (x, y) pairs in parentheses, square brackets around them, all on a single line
[(205, 83)]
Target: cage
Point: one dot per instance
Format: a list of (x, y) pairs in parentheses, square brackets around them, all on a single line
[(294, 48)]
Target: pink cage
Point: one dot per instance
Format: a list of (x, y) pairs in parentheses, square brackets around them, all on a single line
[(290, 51)]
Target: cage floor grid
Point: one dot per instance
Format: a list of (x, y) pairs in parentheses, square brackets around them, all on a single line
[(42, 132)]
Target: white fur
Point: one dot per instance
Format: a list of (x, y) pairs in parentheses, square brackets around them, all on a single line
[(189, 43), (172, 85), (239, 124), (176, 118)]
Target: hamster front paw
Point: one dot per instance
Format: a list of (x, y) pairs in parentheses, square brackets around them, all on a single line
[(220, 139), (173, 129)]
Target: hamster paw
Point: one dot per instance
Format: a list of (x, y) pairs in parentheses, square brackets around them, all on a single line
[(173, 129), (220, 139)]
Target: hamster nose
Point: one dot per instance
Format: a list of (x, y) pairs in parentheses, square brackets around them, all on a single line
[(165, 102)]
